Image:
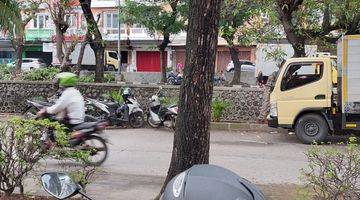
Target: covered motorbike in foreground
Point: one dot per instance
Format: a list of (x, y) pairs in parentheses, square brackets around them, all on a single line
[(210, 182)]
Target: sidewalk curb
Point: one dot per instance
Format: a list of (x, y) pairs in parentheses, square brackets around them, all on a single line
[(229, 126)]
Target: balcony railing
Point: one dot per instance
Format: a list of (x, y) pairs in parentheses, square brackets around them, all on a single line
[(43, 34)]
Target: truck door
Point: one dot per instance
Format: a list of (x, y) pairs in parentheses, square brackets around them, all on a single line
[(304, 85)]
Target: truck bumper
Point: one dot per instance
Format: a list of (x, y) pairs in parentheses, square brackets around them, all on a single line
[(272, 122)]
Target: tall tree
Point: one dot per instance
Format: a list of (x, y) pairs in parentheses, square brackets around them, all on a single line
[(164, 17), (245, 23), (317, 20), (14, 17), (59, 11), (192, 136), (96, 42)]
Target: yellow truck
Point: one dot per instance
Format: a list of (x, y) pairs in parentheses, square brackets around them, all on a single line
[(318, 96)]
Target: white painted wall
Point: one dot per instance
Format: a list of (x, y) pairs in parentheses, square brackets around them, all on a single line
[(266, 66)]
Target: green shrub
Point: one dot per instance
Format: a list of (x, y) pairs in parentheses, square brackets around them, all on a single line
[(41, 74), (167, 101), (90, 78), (6, 72), (333, 172), (218, 107), (109, 77), (116, 96), (21, 150)]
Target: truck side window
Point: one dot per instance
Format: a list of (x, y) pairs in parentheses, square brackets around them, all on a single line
[(113, 55), (299, 74)]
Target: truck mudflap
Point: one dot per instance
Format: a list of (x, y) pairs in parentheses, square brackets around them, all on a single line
[(272, 121)]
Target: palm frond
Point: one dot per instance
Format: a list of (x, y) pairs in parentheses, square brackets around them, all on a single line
[(10, 15)]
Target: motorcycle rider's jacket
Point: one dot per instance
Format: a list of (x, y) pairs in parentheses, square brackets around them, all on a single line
[(70, 106)]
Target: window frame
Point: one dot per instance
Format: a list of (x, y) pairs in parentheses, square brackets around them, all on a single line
[(282, 89), (36, 21)]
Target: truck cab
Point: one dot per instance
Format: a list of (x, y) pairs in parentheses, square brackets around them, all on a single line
[(303, 96), (111, 60)]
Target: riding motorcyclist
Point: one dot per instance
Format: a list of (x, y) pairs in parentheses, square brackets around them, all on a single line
[(70, 107), (124, 109)]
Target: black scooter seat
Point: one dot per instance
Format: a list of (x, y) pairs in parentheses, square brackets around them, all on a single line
[(111, 104), (85, 125)]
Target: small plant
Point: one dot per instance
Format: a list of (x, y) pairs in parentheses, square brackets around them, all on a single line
[(218, 107), (90, 78), (116, 96), (6, 72), (333, 173), (109, 77), (41, 74), (167, 101)]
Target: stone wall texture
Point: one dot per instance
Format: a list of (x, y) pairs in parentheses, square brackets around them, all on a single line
[(245, 103)]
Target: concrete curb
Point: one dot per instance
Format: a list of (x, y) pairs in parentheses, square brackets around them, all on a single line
[(229, 126), (224, 126)]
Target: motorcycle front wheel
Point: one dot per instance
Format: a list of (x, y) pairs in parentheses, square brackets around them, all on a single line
[(136, 120), (151, 122), (30, 113), (97, 148)]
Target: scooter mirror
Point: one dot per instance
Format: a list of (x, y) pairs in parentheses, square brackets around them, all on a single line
[(59, 185)]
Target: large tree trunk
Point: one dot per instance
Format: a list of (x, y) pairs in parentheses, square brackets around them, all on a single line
[(192, 136), (163, 65), (59, 43), (99, 70), (296, 41), (19, 48), (81, 56), (65, 65), (96, 43), (162, 48), (237, 65)]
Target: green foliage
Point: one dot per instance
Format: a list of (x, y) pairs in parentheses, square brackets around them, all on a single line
[(21, 149), (41, 74), (333, 172), (247, 22), (218, 107), (167, 101), (90, 78), (154, 17), (6, 72), (116, 96), (275, 54)]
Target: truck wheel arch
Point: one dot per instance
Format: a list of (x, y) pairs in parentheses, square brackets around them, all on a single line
[(319, 111)]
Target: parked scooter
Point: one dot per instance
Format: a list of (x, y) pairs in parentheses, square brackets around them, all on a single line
[(174, 79), (115, 113), (159, 115)]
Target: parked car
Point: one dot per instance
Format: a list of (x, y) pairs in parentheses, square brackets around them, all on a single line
[(30, 63), (246, 66)]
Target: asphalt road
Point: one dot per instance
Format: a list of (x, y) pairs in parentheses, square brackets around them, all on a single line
[(139, 160)]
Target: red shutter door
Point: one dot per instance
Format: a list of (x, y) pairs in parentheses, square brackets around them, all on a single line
[(148, 61)]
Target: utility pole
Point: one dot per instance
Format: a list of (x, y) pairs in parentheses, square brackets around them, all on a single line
[(119, 43)]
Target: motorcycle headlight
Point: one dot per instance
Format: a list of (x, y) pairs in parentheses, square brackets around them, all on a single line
[(273, 110), (178, 184)]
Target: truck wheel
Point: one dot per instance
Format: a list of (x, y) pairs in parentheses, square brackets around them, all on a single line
[(311, 128), (110, 68)]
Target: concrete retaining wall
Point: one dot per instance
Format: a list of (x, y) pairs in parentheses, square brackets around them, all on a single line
[(245, 103)]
